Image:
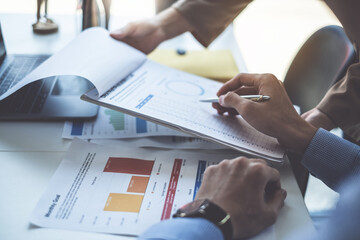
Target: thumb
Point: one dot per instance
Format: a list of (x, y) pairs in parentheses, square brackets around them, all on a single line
[(276, 201), (231, 100), (122, 32)]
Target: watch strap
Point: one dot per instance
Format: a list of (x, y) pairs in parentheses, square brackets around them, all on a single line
[(214, 214)]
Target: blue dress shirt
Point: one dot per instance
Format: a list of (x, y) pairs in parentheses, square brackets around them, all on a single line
[(331, 159)]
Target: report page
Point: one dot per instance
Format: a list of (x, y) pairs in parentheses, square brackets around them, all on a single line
[(171, 97), (120, 190)]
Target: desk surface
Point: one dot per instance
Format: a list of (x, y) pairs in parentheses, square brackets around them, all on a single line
[(31, 151)]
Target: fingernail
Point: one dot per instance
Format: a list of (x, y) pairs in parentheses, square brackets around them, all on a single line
[(221, 100), (117, 32), (284, 193)]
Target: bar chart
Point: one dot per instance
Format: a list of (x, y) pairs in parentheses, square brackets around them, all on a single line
[(116, 119), (111, 124), (119, 190), (131, 200)]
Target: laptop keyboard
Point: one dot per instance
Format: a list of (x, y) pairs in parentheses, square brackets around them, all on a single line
[(30, 98), (18, 69)]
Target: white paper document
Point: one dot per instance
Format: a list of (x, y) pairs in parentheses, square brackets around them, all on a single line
[(171, 97), (93, 55), (110, 124), (120, 190), (163, 142), (125, 80)]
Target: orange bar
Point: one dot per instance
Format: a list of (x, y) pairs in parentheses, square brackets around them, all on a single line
[(119, 202), (138, 184)]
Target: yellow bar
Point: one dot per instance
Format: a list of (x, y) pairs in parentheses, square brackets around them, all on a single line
[(119, 202)]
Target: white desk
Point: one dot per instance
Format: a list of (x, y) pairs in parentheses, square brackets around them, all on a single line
[(31, 151)]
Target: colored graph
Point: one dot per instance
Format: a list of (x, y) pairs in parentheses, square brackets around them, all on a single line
[(129, 165), (116, 119), (199, 176), (77, 128), (129, 201), (138, 184), (170, 196), (141, 125), (120, 202)]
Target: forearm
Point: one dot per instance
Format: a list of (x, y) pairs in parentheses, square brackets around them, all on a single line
[(209, 17), (297, 135), (331, 158), (172, 23)]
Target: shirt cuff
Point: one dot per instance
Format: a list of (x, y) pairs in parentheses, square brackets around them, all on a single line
[(331, 158), (183, 229)]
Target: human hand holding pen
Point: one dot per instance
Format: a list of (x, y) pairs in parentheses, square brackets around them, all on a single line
[(255, 98), (276, 117)]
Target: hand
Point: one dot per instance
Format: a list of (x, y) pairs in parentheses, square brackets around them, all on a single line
[(318, 119), (146, 35), (142, 35), (248, 190), (276, 117)]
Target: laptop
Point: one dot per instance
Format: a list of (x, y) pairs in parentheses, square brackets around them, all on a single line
[(55, 98)]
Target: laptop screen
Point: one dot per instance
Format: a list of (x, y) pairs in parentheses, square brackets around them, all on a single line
[(2, 47)]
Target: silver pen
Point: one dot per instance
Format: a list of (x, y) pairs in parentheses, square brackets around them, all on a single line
[(255, 98)]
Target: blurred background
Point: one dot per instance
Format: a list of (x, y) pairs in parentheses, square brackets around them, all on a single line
[(266, 29)]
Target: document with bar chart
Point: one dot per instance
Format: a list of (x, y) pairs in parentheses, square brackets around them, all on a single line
[(110, 124), (119, 190)]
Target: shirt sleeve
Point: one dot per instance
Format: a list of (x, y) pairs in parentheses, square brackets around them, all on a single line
[(331, 158), (344, 221), (209, 17), (183, 229)]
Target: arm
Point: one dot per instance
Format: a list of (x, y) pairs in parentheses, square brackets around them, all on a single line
[(342, 101), (344, 222), (276, 117), (327, 156), (206, 19), (210, 17), (318, 119), (247, 189), (146, 35), (339, 107), (183, 229), (331, 158), (342, 225)]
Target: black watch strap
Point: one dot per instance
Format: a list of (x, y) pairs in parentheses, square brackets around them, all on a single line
[(211, 212)]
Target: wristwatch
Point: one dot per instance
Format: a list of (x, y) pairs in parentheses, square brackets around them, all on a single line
[(205, 209)]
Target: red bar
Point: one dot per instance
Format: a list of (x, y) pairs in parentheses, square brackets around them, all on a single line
[(169, 201), (129, 165)]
